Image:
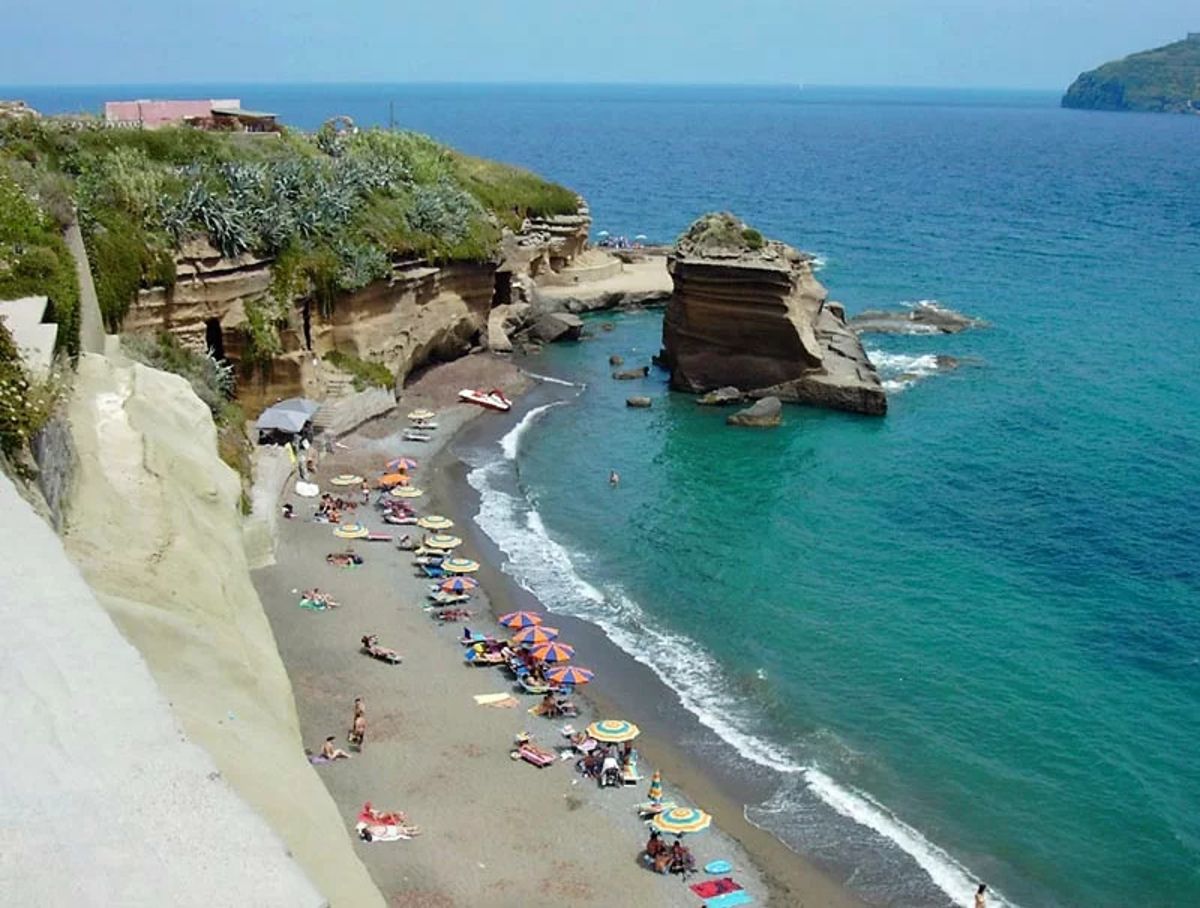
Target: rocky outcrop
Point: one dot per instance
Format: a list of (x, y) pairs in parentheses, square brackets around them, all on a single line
[(749, 313), (553, 326), (503, 322), (631, 374), (639, 402), (925, 317), (633, 285), (720, 397), (762, 414), (154, 525)]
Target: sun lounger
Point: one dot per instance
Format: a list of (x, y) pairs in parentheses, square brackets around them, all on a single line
[(448, 598), (474, 657), (432, 570), (648, 809), (379, 537), (535, 755)]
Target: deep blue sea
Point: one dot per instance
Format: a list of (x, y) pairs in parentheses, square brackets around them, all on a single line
[(968, 632)]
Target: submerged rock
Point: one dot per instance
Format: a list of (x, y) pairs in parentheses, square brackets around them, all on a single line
[(631, 374), (926, 317), (763, 414), (721, 396), (747, 312), (642, 403), (615, 360)]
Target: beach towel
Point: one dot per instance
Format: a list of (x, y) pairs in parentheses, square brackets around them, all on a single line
[(313, 606), (712, 888), (317, 759), (490, 699), (741, 897)]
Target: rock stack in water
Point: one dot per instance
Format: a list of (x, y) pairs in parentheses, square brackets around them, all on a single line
[(748, 312)]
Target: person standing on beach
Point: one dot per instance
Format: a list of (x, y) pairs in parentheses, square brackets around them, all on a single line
[(981, 896), (358, 724)]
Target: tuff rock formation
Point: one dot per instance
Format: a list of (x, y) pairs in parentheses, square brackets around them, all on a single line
[(640, 403), (925, 317), (748, 312)]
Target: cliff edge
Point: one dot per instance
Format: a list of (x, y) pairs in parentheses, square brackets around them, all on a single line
[(748, 312), (1163, 80), (153, 524), (103, 801)]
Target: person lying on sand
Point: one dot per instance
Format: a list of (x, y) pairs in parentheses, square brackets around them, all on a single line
[(315, 595), (329, 752), (348, 558)]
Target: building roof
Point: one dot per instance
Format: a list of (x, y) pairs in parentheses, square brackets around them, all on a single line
[(242, 112)]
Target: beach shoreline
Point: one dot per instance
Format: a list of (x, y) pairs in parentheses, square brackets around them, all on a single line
[(459, 738)]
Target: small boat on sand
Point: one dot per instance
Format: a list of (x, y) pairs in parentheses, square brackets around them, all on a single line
[(493, 400)]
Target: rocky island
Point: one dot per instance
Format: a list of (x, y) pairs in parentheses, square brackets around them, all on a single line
[(1163, 80), (747, 312)]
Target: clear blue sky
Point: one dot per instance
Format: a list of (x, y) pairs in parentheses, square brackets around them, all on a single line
[(971, 43)]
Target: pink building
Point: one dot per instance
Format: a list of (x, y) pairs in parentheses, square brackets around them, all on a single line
[(150, 114)]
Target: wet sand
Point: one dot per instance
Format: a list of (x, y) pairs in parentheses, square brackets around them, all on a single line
[(495, 831)]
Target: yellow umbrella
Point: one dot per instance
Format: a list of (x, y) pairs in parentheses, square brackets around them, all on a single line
[(406, 492), (351, 531), (613, 731), (442, 541), (460, 566), (418, 415), (346, 479), (435, 522)]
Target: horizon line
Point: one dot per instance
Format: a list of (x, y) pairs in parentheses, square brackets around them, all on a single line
[(514, 83)]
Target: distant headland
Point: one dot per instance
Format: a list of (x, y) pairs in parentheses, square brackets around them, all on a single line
[(1162, 80)]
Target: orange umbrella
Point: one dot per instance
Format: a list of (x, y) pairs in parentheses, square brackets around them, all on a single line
[(387, 480), (553, 652)]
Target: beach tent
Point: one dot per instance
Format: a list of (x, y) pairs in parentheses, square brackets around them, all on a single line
[(290, 415)]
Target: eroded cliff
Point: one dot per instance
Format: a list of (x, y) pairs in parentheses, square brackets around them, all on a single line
[(749, 313), (154, 526)]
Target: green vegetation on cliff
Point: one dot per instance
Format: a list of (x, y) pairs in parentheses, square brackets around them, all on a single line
[(1166, 79), (333, 209)]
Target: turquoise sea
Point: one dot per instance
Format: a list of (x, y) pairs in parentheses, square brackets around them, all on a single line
[(966, 637)]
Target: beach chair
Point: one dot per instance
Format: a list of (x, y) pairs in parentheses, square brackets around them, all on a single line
[(432, 570), (476, 658), (537, 756)]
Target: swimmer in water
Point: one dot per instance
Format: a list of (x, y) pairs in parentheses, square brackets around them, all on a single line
[(613, 477)]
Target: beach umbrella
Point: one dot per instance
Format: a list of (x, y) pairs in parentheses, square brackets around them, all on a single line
[(613, 731), (553, 652), (641, 236), (535, 633), (520, 619), (602, 233), (420, 415), (460, 565), (406, 492), (442, 541), (290, 415), (655, 793), (681, 820), (458, 585), (387, 480), (403, 464), (346, 479), (570, 674), (351, 531), (435, 522)]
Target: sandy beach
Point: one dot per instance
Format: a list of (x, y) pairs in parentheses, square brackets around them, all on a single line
[(494, 831)]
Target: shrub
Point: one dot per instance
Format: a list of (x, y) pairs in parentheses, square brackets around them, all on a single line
[(211, 379), (366, 374), (26, 402), (753, 238)]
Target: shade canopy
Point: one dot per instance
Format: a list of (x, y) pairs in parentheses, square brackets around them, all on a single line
[(569, 674), (613, 731), (681, 820), (442, 541), (417, 415), (655, 793), (387, 480), (407, 492), (460, 565), (458, 585), (403, 464), (290, 415), (346, 479), (535, 633), (435, 522), (553, 652), (351, 531), (520, 619)]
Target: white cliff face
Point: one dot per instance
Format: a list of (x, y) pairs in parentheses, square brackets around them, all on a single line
[(103, 799), (154, 525)]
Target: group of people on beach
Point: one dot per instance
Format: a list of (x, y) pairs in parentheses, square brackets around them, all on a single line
[(331, 507)]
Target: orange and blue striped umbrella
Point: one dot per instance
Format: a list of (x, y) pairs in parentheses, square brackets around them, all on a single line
[(403, 464), (553, 652), (570, 674), (535, 634), (458, 585), (520, 619)]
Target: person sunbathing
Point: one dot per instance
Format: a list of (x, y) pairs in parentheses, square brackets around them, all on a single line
[(655, 845), (370, 645), (331, 753)]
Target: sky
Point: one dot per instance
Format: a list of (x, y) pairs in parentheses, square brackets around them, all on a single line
[(960, 43)]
